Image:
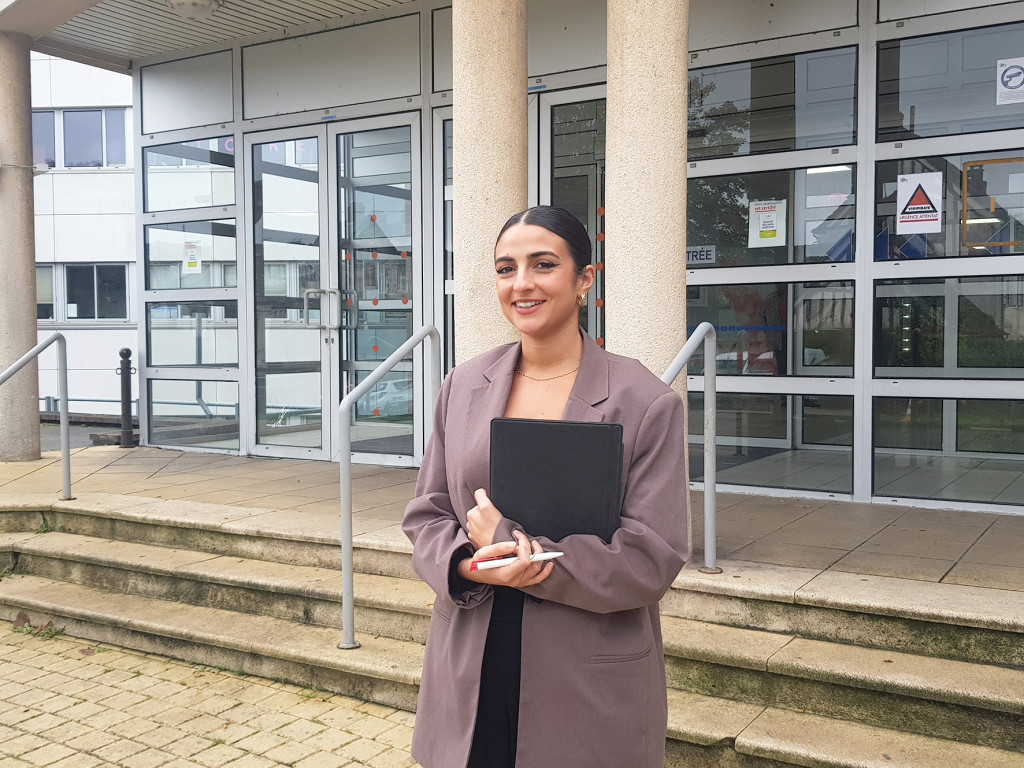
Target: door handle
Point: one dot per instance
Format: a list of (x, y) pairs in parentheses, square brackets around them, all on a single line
[(333, 293), (305, 307)]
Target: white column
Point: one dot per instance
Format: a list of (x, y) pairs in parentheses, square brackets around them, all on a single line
[(645, 186), (19, 397), (490, 155)]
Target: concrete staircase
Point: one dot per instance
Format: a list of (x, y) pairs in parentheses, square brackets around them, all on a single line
[(767, 666)]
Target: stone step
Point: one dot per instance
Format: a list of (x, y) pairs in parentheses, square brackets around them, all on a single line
[(251, 533), (382, 670), (942, 620), (384, 605), (970, 702)]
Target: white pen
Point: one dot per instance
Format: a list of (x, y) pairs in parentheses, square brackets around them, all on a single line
[(500, 560)]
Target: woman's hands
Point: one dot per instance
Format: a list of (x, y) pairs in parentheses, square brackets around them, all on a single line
[(482, 521), (519, 574)]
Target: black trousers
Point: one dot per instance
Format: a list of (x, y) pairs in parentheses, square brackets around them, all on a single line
[(497, 714)]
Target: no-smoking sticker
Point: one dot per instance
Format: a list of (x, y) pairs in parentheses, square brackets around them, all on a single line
[(1010, 81)]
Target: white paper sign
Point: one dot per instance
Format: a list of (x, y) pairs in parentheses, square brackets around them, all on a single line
[(1010, 81), (192, 263), (767, 224), (701, 254), (919, 203)]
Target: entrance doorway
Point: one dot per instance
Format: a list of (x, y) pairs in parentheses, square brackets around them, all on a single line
[(334, 279)]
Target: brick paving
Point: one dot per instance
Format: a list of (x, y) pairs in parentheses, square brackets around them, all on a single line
[(70, 703)]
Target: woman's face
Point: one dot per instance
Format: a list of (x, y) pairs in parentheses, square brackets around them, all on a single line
[(537, 281)]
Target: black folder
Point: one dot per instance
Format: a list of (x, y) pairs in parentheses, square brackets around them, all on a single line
[(557, 478)]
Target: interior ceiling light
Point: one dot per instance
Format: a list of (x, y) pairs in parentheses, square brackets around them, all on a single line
[(195, 10)]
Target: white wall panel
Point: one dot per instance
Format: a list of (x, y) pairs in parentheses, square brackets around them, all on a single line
[(77, 85), (93, 238), (891, 10), (44, 239), (101, 192), (187, 93), (731, 22), (567, 35), (353, 65), (43, 193), (92, 362), (40, 73)]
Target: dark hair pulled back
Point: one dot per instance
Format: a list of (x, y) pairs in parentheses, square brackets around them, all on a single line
[(557, 221)]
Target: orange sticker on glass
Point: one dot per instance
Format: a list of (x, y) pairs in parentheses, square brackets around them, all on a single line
[(599, 266), (600, 211), (599, 303), (405, 299), (375, 302), (600, 341), (373, 217), (600, 237)]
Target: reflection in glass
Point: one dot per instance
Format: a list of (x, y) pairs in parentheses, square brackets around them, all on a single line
[(44, 141), (981, 459), (286, 261), (758, 323), (199, 414), (449, 248), (971, 327), (577, 184), (83, 139), (982, 210), (375, 226), (941, 85), (190, 255), (192, 333), (778, 441), (773, 105), (820, 212), (44, 292), (192, 174)]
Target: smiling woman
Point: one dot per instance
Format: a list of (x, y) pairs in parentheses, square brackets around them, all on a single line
[(585, 648)]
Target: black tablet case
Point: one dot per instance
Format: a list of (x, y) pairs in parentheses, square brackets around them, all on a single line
[(557, 478)]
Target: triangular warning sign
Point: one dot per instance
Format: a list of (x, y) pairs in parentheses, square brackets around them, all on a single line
[(919, 202)]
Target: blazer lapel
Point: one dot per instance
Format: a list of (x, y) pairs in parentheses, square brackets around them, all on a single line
[(591, 386)]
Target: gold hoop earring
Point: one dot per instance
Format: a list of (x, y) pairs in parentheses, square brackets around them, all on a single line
[(581, 300)]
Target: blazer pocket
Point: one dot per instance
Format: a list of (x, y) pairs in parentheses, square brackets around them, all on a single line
[(618, 658)]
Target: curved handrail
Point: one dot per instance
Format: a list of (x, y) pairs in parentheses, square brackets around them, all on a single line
[(62, 383), (345, 459), (704, 332)]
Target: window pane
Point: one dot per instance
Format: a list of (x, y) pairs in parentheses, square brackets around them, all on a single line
[(810, 218), (193, 333), (954, 328), (946, 84), (980, 207), (80, 287), (758, 324), (194, 413), (111, 291), (778, 441), (186, 255), (981, 459), (773, 105), (44, 142), (116, 152), (83, 145), (44, 293), (193, 174)]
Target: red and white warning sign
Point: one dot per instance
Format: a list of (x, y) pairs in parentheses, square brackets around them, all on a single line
[(919, 203)]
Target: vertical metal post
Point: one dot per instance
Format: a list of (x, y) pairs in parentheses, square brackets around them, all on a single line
[(710, 452), (65, 434), (125, 370)]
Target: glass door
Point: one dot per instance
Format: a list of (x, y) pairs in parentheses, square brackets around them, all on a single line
[(377, 220), (295, 308)]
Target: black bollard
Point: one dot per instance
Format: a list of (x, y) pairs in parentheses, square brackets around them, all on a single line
[(126, 371)]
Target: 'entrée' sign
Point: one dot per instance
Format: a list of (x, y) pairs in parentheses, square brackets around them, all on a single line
[(701, 254)]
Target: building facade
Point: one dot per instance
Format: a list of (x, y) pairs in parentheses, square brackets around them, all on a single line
[(854, 229), (85, 227)]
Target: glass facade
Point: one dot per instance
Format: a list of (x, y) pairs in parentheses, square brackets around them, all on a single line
[(194, 414), (191, 174)]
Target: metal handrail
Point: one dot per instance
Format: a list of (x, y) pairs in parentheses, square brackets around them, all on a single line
[(345, 460), (704, 332), (62, 379)]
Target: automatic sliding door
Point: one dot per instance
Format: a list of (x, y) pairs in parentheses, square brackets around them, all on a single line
[(288, 278), (376, 239)]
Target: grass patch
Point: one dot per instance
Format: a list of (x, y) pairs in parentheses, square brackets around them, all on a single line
[(46, 632)]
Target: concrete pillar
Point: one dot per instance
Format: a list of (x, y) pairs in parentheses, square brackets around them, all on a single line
[(491, 156), (645, 183), (19, 397)]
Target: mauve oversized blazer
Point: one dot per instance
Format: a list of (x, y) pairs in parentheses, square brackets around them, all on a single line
[(593, 673)]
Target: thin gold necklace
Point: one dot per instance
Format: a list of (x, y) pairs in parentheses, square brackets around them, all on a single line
[(548, 378)]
